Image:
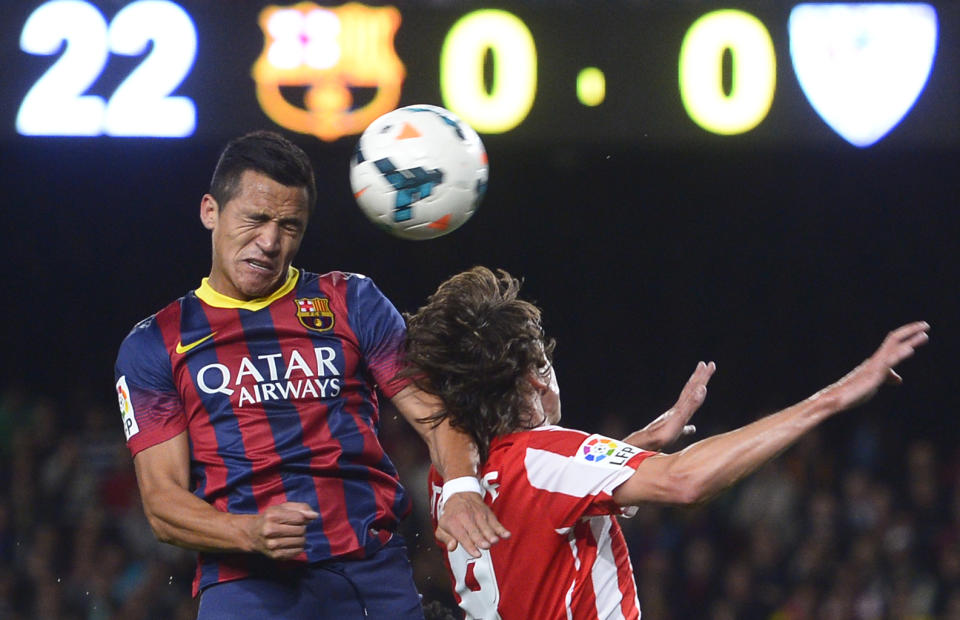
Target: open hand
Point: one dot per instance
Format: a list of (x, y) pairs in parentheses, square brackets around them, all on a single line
[(672, 424), (861, 383), (467, 521)]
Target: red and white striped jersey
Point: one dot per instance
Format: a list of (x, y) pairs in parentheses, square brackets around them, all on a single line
[(566, 556)]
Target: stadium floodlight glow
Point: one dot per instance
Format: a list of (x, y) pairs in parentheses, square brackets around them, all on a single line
[(754, 71), (863, 66), (509, 40)]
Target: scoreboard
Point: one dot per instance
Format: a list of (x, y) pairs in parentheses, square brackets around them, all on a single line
[(656, 74)]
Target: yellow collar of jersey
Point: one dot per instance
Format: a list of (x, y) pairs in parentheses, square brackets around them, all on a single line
[(218, 300)]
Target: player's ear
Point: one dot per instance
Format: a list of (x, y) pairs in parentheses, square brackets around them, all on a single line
[(209, 211)]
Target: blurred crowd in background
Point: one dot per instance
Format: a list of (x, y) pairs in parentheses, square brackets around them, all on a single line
[(867, 527)]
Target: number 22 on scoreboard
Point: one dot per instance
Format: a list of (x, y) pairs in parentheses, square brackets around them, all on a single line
[(141, 105)]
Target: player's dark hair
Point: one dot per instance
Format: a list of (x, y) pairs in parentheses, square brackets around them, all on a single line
[(474, 345), (265, 152)]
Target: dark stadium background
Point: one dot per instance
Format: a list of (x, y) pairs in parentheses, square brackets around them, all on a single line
[(786, 267), (785, 262)]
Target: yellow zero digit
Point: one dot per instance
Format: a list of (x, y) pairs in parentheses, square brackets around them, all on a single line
[(514, 82), (753, 68)]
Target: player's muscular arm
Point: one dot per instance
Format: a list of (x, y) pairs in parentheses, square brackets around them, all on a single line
[(180, 518), (711, 465), (466, 519)]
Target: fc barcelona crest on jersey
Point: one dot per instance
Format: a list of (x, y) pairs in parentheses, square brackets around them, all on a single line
[(314, 313)]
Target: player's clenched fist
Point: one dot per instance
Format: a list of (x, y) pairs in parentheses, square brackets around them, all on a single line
[(280, 531)]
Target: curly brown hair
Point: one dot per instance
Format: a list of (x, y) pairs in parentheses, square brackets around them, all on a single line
[(474, 345)]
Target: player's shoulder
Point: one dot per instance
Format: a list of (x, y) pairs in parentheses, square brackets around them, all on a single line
[(558, 439), (335, 277), (355, 287), (570, 442), (146, 335), (556, 435), (332, 281)]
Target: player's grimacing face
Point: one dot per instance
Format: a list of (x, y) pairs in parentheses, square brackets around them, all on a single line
[(255, 236)]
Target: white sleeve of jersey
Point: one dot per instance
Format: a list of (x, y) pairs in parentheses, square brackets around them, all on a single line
[(598, 466)]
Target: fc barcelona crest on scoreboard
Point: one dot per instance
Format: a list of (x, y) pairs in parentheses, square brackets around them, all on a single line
[(329, 54), (314, 313)]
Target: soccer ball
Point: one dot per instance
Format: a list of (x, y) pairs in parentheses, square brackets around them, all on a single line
[(419, 172)]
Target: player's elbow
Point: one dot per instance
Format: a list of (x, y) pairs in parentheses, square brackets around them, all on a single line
[(159, 527), (669, 485), (683, 487), (690, 489)]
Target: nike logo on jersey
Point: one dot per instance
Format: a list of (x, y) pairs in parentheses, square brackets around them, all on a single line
[(181, 348)]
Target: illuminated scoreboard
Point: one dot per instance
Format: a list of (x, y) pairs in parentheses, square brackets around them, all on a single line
[(657, 74)]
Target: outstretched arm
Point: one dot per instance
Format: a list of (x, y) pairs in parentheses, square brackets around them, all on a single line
[(180, 518), (672, 424), (465, 519), (711, 465)]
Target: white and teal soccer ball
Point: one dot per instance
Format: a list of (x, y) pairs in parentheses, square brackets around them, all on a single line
[(419, 172)]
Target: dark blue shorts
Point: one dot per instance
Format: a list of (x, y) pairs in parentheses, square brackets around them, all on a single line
[(380, 586)]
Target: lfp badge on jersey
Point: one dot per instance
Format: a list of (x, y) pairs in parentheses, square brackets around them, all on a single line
[(314, 313), (328, 53), (598, 449), (130, 427)]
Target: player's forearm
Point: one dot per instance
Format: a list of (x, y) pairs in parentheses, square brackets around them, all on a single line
[(178, 517), (717, 462), (709, 466), (452, 452)]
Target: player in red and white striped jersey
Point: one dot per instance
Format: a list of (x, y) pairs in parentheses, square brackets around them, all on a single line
[(482, 351)]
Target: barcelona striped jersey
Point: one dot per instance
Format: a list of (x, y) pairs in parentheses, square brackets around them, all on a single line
[(278, 396)]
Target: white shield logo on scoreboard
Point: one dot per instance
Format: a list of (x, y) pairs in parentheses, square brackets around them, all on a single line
[(862, 66)]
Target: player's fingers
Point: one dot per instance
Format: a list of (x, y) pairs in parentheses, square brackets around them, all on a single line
[(695, 391), (456, 524), (893, 378), (287, 553), (445, 539), (286, 542), (701, 374), (906, 349), (906, 331), (277, 531), (489, 524), (491, 528), (500, 530), (474, 518), (917, 339), (305, 511), (689, 394), (470, 543)]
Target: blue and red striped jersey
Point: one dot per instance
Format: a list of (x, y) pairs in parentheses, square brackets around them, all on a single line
[(278, 396)]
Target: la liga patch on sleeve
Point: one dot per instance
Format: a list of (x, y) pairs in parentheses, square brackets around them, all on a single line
[(130, 427), (605, 451)]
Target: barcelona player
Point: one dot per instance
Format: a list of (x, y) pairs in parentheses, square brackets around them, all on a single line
[(481, 349), (250, 408)]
